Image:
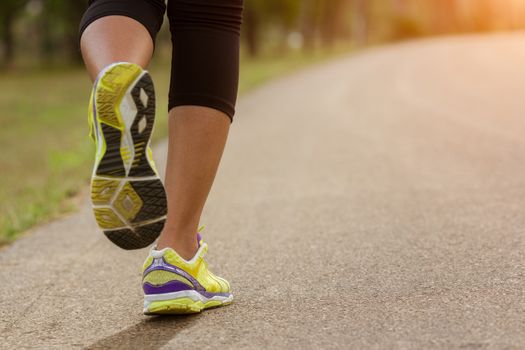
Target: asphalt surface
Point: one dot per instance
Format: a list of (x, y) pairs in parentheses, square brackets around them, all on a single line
[(372, 202)]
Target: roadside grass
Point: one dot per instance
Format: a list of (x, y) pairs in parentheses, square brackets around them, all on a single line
[(46, 156)]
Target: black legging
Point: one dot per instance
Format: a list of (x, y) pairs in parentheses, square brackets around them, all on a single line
[(205, 36)]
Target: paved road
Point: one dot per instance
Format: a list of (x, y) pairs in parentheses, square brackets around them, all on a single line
[(373, 202)]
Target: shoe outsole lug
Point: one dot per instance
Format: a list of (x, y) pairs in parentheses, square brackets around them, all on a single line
[(141, 135), (111, 163), (129, 200), (153, 196), (136, 238)]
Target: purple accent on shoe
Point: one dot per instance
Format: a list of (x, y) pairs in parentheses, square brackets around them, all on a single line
[(160, 290), (161, 264), (199, 238), (211, 295), (169, 287), (176, 286)]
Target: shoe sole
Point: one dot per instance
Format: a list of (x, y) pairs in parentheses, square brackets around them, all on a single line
[(129, 200), (184, 302)]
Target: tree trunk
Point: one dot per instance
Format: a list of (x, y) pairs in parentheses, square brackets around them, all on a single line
[(399, 7), (75, 10), (309, 23), (330, 21), (360, 22), (45, 40), (251, 30), (445, 13), (8, 39)]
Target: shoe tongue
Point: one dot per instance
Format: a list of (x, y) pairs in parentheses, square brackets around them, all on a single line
[(199, 239)]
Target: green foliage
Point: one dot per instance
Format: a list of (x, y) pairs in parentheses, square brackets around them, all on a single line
[(40, 30), (285, 10), (11, 7), (48, 34)]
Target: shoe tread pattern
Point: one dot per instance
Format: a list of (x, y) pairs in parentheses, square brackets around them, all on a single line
[(153, 196), (130, 211), (136, 238), (145, 114)]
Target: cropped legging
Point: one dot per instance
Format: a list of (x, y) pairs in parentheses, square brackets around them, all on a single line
[(205, 36)]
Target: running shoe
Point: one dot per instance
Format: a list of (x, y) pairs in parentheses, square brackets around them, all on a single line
[(129, 200), (173, 285)]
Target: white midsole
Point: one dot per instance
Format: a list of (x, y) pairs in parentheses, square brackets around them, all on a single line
[(192, 294)]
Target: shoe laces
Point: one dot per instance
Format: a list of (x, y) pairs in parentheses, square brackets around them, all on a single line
[(200, 242)]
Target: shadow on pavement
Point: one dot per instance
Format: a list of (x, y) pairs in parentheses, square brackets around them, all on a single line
[(151, 333)]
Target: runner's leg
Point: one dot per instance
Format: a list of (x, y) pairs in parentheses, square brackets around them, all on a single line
[(205, 64)]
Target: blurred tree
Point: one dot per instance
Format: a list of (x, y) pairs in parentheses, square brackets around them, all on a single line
[(261, 16), (331, 20), (483, 14), (444, 13), (309, 15), (59, 28), (360, 21), (51, 26), (404, 19), (9, 9), (324, 20), (251, 21)]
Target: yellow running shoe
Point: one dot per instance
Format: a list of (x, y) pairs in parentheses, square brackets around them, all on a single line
[(173, 285), (128, 197)]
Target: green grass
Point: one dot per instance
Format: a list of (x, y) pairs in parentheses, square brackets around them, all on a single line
[(46, 156)]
